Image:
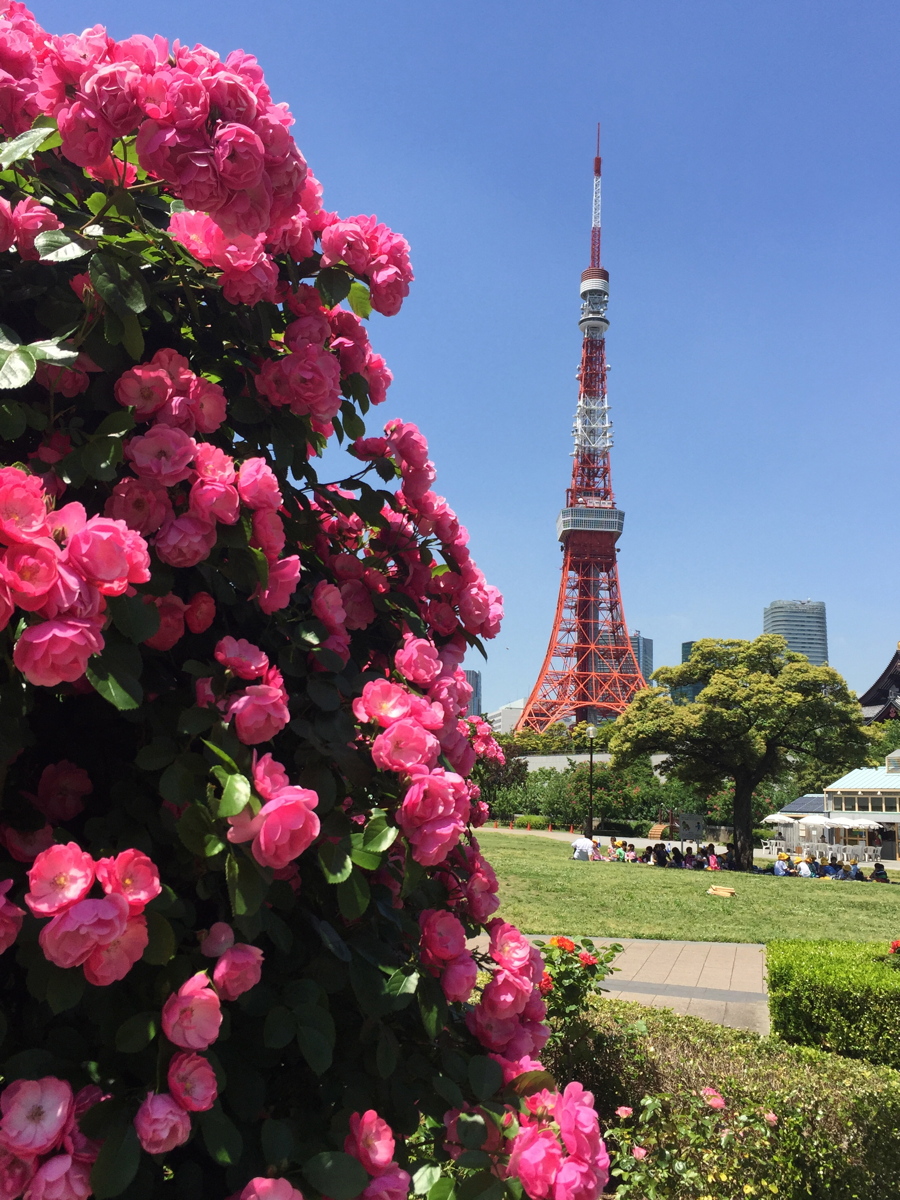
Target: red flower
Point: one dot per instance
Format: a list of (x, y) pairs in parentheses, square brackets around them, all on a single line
[(563, 943), (895, 946), (587, 960), (546, 984)]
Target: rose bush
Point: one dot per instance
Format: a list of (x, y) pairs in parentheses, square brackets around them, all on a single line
[(241, 877)]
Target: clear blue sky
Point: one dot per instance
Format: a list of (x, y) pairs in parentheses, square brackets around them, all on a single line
[(751, 185)]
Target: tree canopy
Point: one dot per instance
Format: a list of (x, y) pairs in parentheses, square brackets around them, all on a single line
[(762, 708)]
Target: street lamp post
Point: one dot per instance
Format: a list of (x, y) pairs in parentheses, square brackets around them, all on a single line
[(592, 733)]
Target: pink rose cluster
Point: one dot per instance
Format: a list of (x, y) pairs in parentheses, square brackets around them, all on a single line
[(105, 936), (58, 567), (414, 730), (321, 346), (207, 128), (43, 1153), (285, 826), (260, 710), (371, 1142), (370, 249), (59, 797), (508, 1018), (20, 224), (460, 596), (443, 951)]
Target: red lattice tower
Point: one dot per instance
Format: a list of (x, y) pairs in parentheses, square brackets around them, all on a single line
[(590, 672)]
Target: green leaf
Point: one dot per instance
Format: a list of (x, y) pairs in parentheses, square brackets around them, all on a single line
[(116, 422), (23, 146), (247, 887), (137, 1032), (101, 456), (280, 1027), (220, 1136), (235, 796), (158, 754), (101, 1119), (333, 285), (52, 350), (198, 832), (196, 720), (485, 1076), (9, 339), (353, 424), (369, 860), (335, 861), (532, 1081), (117, 284), (336, 1174), (161, 944), (115, 674), (133, 336), (277, 1138), (353, 895), (483, 1186), (315, 1048), (359, 299), (432, 1006), (425, 1179), (18, 368), (133, 617), (443, 1189), (217, 750), (471, 1130), (12, 420), (378, 835), (55, 245), (116, 1164), (387, 1054), (449, 1091), (64, 988)]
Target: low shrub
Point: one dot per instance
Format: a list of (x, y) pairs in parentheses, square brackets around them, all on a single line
[(530, 821), (571, 976), (838, 1132), (840, 996)]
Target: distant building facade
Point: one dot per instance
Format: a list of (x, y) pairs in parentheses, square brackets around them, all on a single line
[(473, 679), (643, 652), (505, 718), (802, 624), (690, 691), (882, 701)]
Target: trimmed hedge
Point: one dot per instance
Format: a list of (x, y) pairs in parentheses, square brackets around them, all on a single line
[(838, 996), (839, 1120)]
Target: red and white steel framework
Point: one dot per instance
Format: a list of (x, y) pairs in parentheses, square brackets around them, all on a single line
[(590, 672)]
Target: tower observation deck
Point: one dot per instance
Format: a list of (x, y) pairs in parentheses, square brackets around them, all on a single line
[(589, 672)]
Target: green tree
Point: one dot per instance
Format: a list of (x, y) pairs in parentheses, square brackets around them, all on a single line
[(761, 708)]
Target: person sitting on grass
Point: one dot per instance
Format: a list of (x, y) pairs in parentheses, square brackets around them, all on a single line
[(688, 858), (620, 852), (822, 867), (806, 868), (677, 858), (783, 865), (729, 862), (630, 853), (879, 874), (645, 856), (660, 855), (844, 872), (700, 861), (581, 849), (856, 870), (596, 852), (712, 859), (833, 869)]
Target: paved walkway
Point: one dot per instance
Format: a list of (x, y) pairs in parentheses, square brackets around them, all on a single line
[(720, 981)]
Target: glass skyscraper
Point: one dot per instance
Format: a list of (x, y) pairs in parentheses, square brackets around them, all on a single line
[(802, 623)]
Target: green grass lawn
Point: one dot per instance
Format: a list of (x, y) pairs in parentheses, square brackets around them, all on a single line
[(543, 891)]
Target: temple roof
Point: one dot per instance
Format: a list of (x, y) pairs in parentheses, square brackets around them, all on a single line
[(885, 688)]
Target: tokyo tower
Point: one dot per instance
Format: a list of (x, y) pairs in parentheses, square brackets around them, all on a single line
[(590, 672)]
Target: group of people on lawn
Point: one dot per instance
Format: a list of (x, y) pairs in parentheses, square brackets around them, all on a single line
[(587, 849), (807, 866)]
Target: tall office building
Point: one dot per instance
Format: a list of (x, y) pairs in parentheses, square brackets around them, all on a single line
[(802, 623), (689, 693), (643, 652), (473, 679)]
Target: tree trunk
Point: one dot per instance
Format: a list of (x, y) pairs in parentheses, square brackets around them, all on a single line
[(743, 824)]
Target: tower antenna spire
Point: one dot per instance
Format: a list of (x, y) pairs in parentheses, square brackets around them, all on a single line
[(590, 671)]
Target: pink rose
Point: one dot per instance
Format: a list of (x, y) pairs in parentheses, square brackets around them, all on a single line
[(458, 977), (109, 555), (86, 138), (26, 845), (56, 651), (624, 1111), (392, 1184), (406, 443), (259, 713), (288, 826), (162, 455), (579, 1126), (15, 1174), (327, 606), (370, 1141), (171, 621), (257, 484), (382, 701), (213, 501), (242, 658), (200, 612), (30, 219), (238, 970), (191, 1016), (268, 533), (7, 227), (357, 602), (35, 1115), (72, 936), (112, 91), (29, 573), (710, 1095), (404, 745), (639, 1152), (219, 939), (23, 513), (11, 917), (418, 660), (239, 155), (130, 874), (509, 948), (142, 505), (264, 1188), (161, 1124), (505, 995), (209, 404), (185, 540), (60, 1178), (60, 876), (111, 961), (269, 776), (535, 1159), (60, 790), (443, 936), (578, 1180), (145, 389), (192, 1082), (283, 579)]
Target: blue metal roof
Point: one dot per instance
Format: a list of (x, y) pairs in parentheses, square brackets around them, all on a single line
[(867, 779), (811, 803)]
